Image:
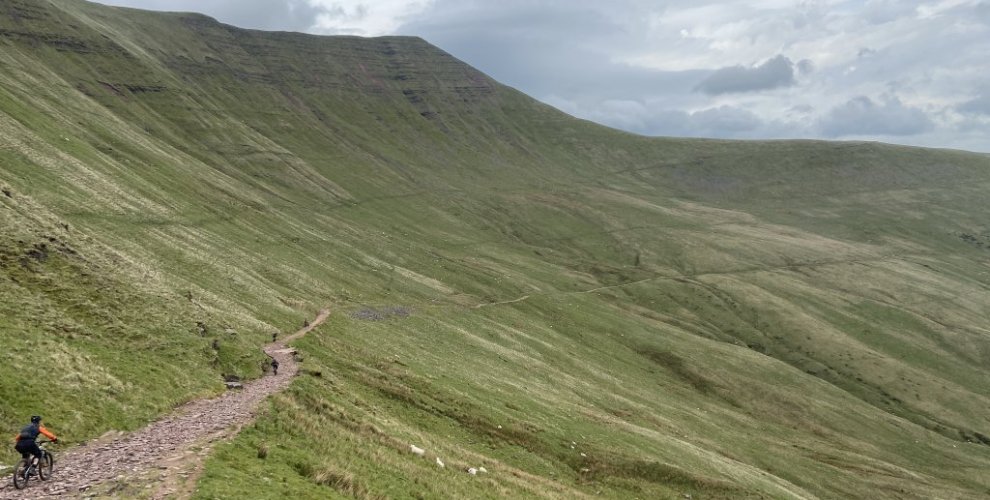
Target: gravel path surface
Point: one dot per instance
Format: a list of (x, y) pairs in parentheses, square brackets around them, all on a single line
[(150, 449)]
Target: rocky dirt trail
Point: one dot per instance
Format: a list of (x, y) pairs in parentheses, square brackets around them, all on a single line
[(168, 454)]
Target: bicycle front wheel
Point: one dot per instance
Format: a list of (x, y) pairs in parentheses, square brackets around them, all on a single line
[(45, 466), (20, 474)]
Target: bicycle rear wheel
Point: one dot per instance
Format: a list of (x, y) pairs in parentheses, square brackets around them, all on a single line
[(20, 474), (45, 466)]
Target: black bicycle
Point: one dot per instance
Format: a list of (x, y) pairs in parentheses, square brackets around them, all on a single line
[(43, 469)]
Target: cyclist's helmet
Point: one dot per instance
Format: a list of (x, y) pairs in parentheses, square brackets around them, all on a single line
[(36, 419)]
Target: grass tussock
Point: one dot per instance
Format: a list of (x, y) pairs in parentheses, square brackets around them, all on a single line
[(342, 481)]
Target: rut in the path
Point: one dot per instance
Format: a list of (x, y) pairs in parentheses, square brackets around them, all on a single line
[(142, 451)]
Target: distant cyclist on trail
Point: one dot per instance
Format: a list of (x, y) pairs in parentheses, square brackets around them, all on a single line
[(26, 440)]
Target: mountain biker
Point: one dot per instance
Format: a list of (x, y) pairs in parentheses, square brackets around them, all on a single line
[(26, 444)]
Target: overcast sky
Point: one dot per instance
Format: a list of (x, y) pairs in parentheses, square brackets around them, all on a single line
[(908, 72)]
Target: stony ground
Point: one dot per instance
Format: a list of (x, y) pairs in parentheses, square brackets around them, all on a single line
[(166, 449)]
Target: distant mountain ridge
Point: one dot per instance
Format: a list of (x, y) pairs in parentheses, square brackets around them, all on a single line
[(583, 310)]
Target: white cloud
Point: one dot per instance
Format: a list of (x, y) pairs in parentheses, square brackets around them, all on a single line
[(365, 17), (282, 15), (596, 59)]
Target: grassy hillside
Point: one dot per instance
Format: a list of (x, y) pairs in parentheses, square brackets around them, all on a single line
[(580, 311)]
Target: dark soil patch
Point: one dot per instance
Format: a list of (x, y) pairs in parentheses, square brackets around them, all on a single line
[(676, 365), (39, 252)]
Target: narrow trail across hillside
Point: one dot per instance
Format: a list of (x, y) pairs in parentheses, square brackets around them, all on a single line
[(692, 276), (164, 450)]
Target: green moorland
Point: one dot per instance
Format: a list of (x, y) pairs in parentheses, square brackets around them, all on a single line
[(580, 311)]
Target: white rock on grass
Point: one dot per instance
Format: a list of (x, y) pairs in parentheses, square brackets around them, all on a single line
[(440, 463), (472, 471), (482, 470), (416, 450)]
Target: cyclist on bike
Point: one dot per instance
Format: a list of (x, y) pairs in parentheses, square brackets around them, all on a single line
[(26, 444)]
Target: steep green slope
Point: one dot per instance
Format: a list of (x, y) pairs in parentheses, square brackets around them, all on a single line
[(580, 311)]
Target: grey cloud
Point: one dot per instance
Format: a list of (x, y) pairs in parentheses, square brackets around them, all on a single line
[(725, 120), (973, 124), (586, 53), (981, 11), (866, 52), (885, 11), (774, 73), (646, 119), (564, 49), (863, 116), (622, 114), (735, 123), (977, 106)]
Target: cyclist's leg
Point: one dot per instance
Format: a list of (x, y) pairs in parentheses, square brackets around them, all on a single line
[(27, 449), (36, 451)]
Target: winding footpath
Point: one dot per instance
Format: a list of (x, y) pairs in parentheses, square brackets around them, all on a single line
[(173, 446)]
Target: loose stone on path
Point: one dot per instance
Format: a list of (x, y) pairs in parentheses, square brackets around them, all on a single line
[(137, 453)]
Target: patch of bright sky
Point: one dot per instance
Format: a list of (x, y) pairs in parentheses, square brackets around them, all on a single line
[(360, 17), (650, 67)]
